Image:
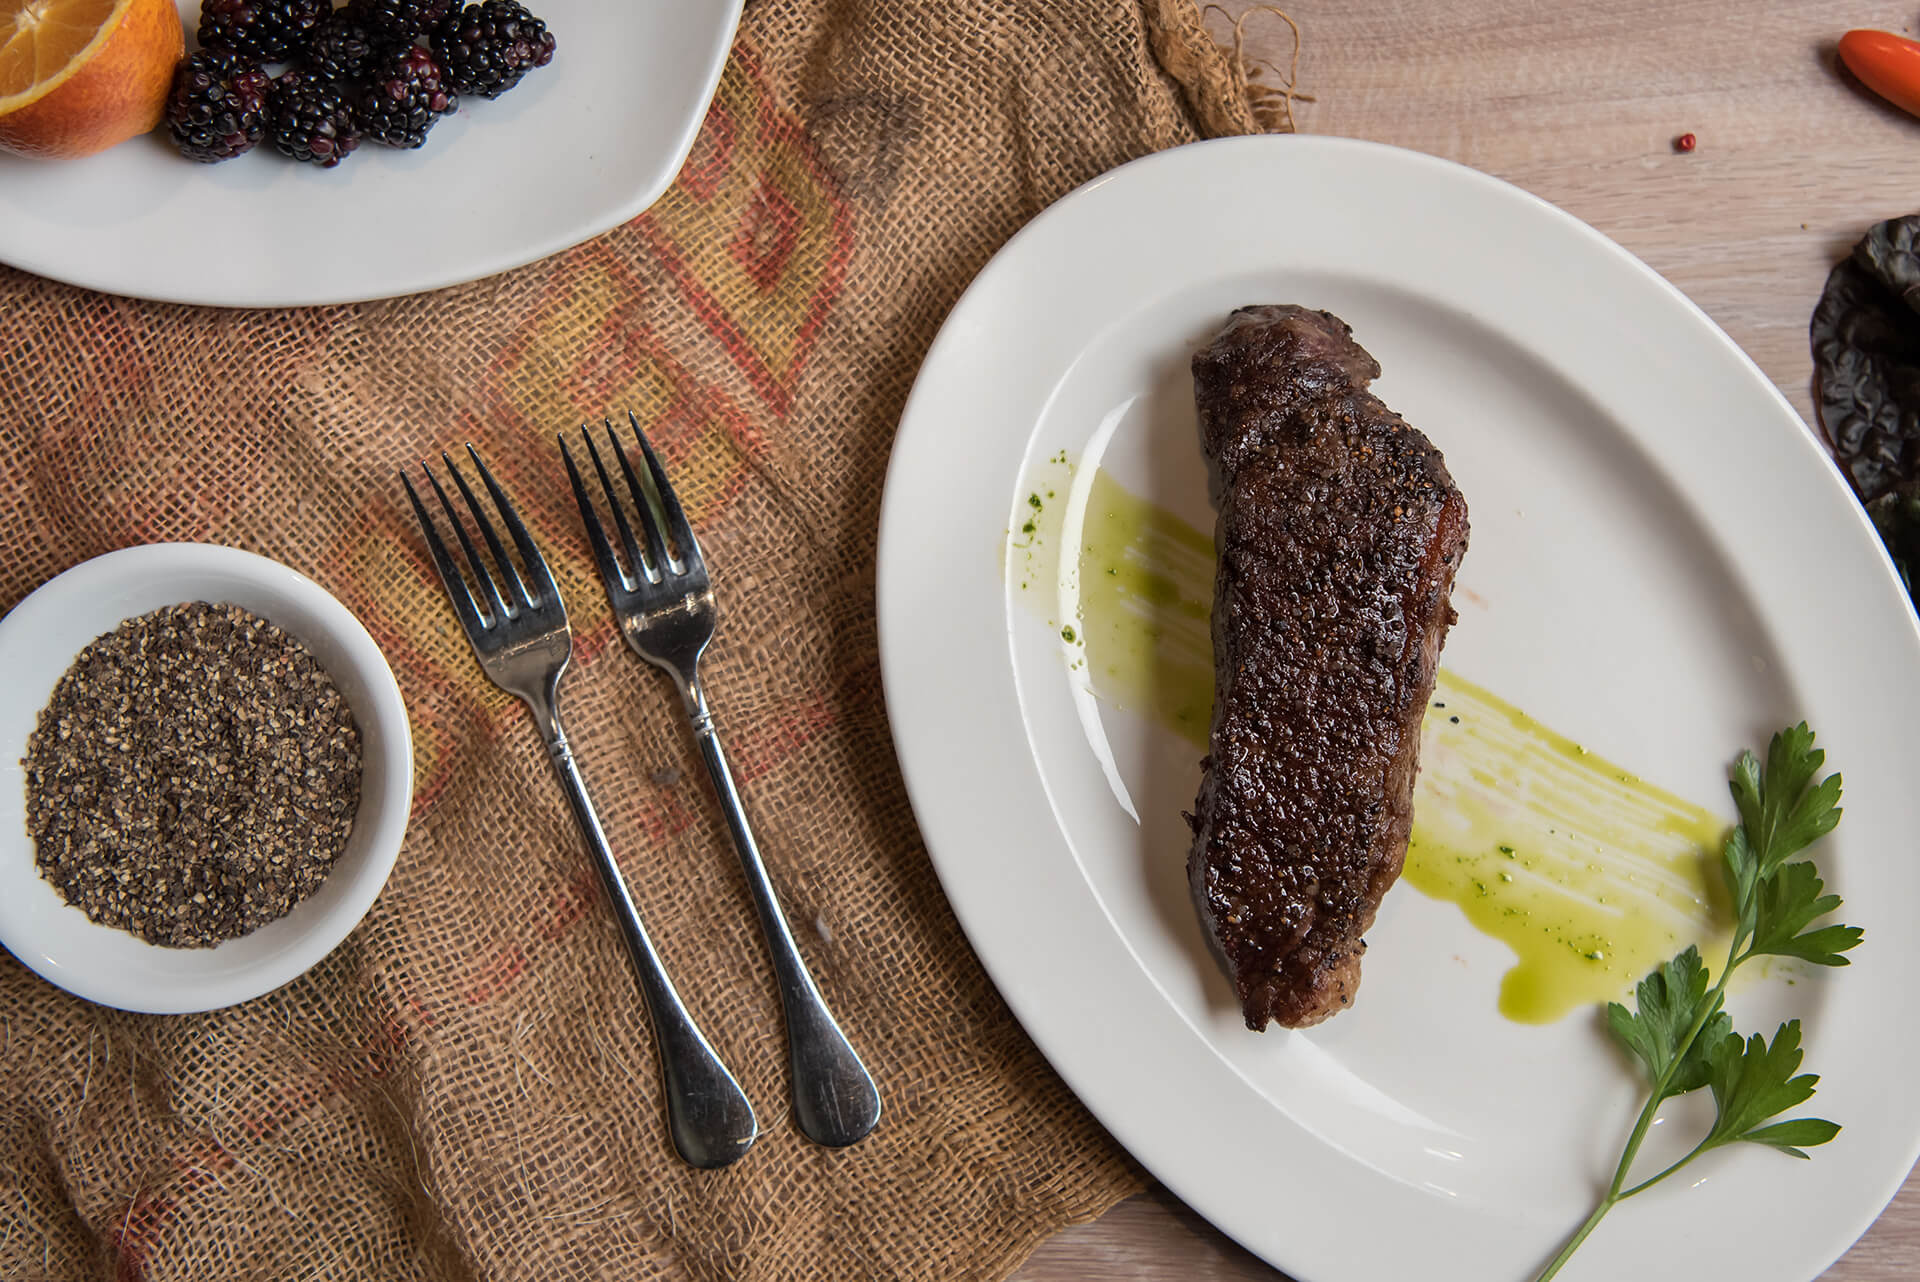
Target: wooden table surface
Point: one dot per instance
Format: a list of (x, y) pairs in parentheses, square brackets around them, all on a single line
[(1579, 103)]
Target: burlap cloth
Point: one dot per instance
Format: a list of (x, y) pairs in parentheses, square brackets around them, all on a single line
[(466, 1088)]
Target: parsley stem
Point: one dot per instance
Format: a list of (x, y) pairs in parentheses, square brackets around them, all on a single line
[(1573, 1243), (1646, 1184), (1658, 1096), (1640, 1127), (1655, 1098)]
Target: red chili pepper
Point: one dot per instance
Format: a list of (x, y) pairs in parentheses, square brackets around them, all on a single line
[(1685, 142), (1885, 63)]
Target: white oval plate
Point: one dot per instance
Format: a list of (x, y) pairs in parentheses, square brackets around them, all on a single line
[(1663, 564), (579, 146)]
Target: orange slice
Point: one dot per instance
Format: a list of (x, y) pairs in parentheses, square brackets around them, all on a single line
[(77, 76)]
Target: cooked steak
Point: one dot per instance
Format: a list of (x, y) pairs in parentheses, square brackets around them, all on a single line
[(1339, 533)]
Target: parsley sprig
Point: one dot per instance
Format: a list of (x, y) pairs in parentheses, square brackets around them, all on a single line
[(1679, 1031)]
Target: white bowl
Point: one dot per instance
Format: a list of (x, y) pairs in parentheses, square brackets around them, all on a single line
[(39, 640)]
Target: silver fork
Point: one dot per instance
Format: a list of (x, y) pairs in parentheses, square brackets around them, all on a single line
[(667, 612), (523, 643)]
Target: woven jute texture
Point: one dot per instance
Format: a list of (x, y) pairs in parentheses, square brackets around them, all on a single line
[(467, 1087)]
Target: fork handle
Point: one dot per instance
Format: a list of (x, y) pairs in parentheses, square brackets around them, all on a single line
[(834, 1098), (708, 1114)]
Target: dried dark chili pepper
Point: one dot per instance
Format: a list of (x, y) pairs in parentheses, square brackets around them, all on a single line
[(1866, 360)]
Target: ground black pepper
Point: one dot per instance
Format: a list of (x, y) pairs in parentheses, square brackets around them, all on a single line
[(194, 776)]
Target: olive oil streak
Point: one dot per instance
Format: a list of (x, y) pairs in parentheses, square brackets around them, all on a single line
[(1590, 875)]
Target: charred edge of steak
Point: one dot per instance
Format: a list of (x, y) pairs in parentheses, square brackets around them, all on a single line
[(1338, 537)]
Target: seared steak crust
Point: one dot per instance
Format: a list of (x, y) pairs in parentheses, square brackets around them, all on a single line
[(1339, 533)]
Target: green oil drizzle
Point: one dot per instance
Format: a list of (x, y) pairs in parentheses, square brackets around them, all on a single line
[(1590, 875), (1030, 557), (1146, 597)]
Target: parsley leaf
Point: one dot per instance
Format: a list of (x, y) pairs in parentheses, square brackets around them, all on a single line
[(1752, 1081), (1780, 813), (1791, 1137), (1659, 1033), (1787, 904), (1741, 867)]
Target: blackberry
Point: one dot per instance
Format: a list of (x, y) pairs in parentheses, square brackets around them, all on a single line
[(217, 107), (270, 30), (487, 47), (339, 50), (308, 120), (404, 95), (393, 21)]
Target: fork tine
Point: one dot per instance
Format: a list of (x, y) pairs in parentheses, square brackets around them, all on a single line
[(669, 502), (656, 542), (463, 603), (596, 533), (529, 550), (480, 572), (516, 588), (642, 572)]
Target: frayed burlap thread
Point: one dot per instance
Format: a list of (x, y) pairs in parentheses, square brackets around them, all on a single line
[(466, 1088), (1227, 93)]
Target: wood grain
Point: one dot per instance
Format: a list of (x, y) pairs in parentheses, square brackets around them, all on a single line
[(1579, 103)]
